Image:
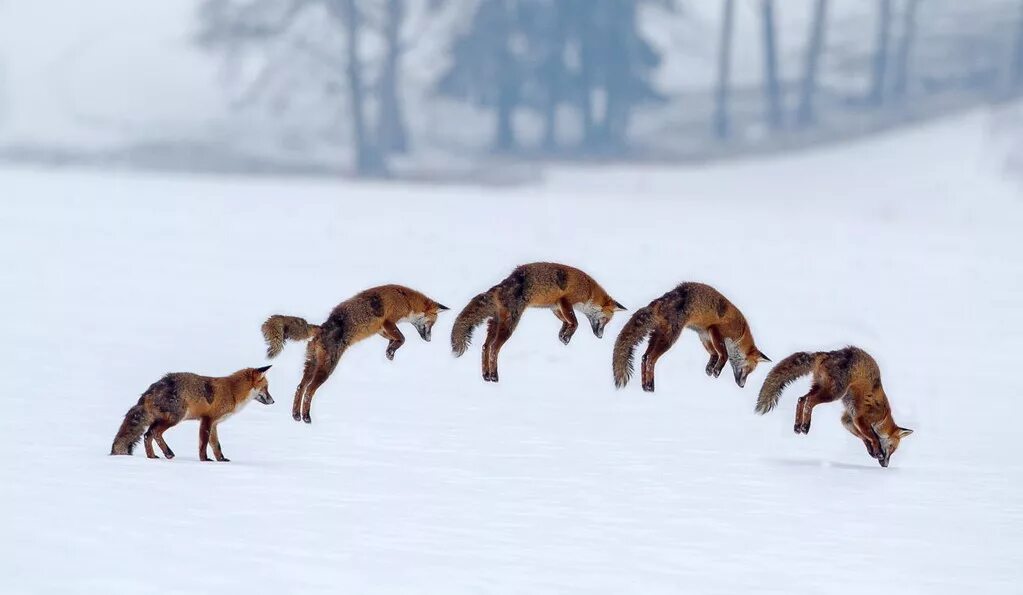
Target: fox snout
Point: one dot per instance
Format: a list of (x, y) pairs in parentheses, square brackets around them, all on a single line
[(264, 397)]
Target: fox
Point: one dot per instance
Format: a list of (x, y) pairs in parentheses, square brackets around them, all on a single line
[(375, 311), (559, 287), (849, 374), (182, 396), (722, 328)]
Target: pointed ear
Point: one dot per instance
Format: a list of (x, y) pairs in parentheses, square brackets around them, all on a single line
[(442, 307), (903, 432), (619, 307), (762, 357), (263, 369)]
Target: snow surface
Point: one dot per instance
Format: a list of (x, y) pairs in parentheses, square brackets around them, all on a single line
[(417, 477)]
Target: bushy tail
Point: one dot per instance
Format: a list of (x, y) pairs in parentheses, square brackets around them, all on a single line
[(634, 331), (783, 374), (472, 315), (135, 423), (279, 329)]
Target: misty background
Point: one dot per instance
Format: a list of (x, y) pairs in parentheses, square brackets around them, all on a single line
[(483, 89)]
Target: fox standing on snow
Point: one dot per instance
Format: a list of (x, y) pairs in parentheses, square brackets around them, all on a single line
[(183, 396), (537, 285), (849, 374), (374, 311), (722, 328)]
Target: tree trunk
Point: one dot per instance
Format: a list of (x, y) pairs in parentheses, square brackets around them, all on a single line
[(368, 160), (555, 74), (903, 52), (884, 19), (507, 83), (722, 123), (814, 48), (587, 59), (619, 83), (392, 135), (1016, 76), (772, 88)]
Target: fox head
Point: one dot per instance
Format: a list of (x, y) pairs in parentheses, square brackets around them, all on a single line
[(424, 321), (743, 360), (260, 390), (600, 314), (890, 437)]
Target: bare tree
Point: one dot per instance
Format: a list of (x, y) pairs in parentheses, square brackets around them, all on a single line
[(392, 133), (880, 61), (369, 161), (814, 49), (772, 87), (904, 50), (1017, 60), (722, 124)]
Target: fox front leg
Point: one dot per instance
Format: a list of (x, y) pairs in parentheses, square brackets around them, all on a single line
[(215, 443), (394, 336), (709, 346), (563, 310), (718, 343)]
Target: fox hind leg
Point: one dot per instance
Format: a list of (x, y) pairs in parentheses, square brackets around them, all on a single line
[(148, 439), (505, 328), (323, 371), (804, 407), (158, 429), (489, 370), (307, 376), (659, 343), (204, 437)]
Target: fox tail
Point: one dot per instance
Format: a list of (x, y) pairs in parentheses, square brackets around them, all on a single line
[(278, 329), (472, 315), (634, 331), (784, 373)]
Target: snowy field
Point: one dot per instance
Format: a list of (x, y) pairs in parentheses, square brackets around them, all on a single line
[(417, 477)]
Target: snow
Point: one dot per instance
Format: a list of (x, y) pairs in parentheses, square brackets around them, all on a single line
[(418, 477)]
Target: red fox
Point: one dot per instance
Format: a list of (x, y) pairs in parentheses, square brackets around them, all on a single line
[(722, 328), (538, 285), (375, 311), (183, 396), (848, 374)]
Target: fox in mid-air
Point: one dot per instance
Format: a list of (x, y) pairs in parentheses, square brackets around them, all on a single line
[(183, 396), (376, 311), (848, 374), (550, 285), (721, 326)]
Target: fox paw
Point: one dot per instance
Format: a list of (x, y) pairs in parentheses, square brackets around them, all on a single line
[(169, 455), (648, 387), (296, 416), (223, 460), (306, 418), (565, 338), (390, 354)]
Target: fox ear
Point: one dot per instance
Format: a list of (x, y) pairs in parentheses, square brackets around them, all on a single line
[(442, 307), (762, 357), (263, 369), (619, 306), (903, 432)]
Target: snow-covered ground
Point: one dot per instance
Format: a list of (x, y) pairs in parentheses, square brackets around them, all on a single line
[(417, 477)]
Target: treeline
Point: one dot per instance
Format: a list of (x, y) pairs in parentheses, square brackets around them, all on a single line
[(581, 69)]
